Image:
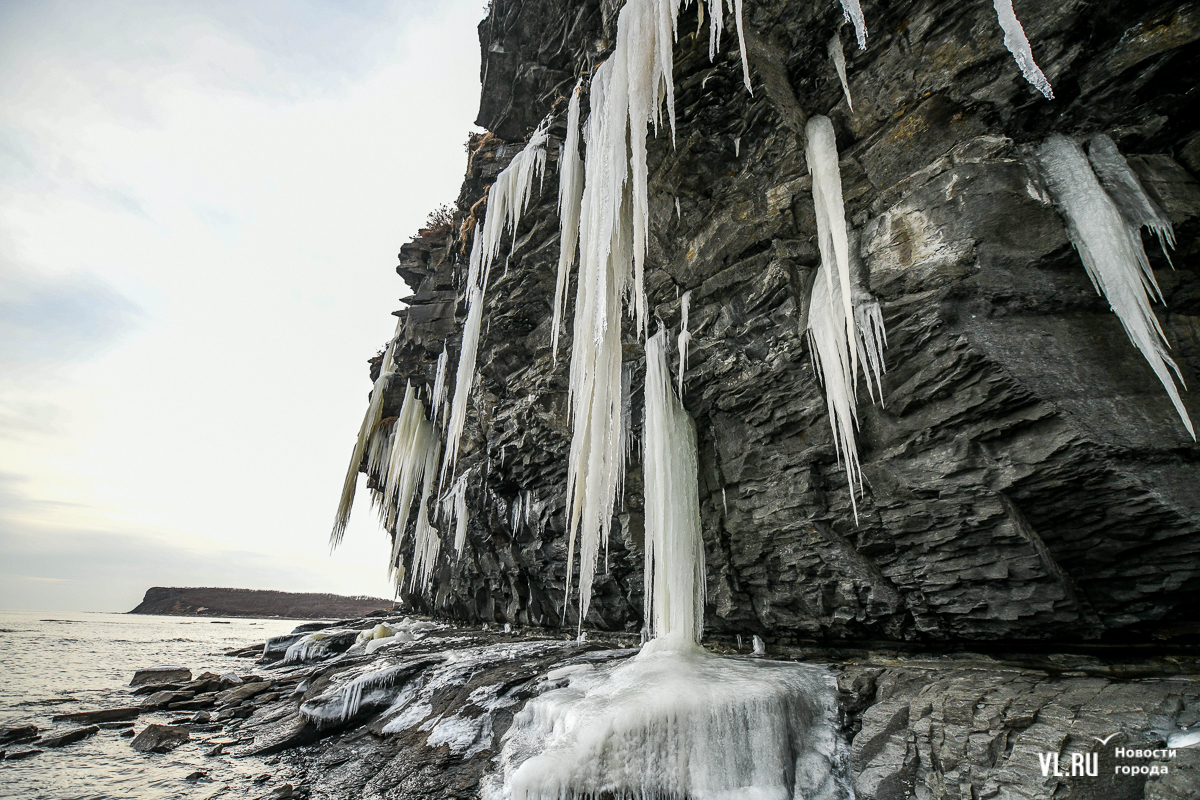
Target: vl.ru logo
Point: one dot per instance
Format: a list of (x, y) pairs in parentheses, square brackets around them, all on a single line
[(1081, 765)]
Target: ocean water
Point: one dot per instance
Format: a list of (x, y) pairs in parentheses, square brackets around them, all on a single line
[(56, 663)]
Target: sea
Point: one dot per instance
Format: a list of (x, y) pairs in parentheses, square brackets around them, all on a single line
[(57, 663)]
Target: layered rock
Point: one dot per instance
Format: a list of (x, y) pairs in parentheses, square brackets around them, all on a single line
[(1026, 476)]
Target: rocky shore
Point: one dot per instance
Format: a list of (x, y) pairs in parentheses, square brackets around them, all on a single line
[(404, 707)]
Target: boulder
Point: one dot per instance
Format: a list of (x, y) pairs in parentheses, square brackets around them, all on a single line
[(104, 715), (165, 674), (232, 697), (70, 737), (160, 738)]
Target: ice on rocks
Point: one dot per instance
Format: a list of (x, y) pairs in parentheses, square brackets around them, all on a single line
[(1111, 251)]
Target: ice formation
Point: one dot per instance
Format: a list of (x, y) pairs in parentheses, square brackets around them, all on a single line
[(507, 200), (439, 387), (454, 510), (872, 339), (1111, 252), (628, 92), (412, 440), (822, 156), (839, 63), (831, 354), (1126, 190), (426, 543), (674, 547), (679, 723), (370, 421), (1017, 44), (570, 195), (685, 336), (854, 14)]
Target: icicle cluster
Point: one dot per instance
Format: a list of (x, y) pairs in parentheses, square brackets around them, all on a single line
[(570, 196), (674, 560), (370, 422), (1107, 234), (628, 92), (844, 326), (507, 200)]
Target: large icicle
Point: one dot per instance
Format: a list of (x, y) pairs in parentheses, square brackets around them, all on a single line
[(822, 156), (439, 387), (507, 200), (1110, 255), (412, 440), (570, 196), (627, 93), (1018, 44), (454, 510), (674, 557), (387, 368)]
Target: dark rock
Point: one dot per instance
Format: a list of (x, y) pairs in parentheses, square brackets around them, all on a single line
[(161, 675), (128, 733), (105, 715), (21, 754), (198, 776), (69, 737), (163, 699), (253, 603), (160, 738), (276, 647), (286, 791), (234, 696), (151, 688), (115, 726), (216, 750), (196, 703), (18, 734)]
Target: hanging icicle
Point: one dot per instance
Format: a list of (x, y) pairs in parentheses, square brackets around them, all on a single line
[(387, 368), (1017, 44), (570, 196), (1110, 249), (838, 57), (685, 336), (426, 543), (854, 14), (1126, 190), (507, 200)]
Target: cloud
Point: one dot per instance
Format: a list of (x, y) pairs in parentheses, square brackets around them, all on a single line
[(60, 318)]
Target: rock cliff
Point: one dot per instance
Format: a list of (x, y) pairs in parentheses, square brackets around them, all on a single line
[(1026, 476), (213, 602)]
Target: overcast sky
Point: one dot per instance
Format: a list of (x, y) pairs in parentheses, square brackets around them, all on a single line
[(200, 209)]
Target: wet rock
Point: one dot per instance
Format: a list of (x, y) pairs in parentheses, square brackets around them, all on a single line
[(165, 674), (21, 754), (198, 776), (115, 726), (151, 688), (236, 695), (287, 792), (163, 699), (69, 737), (105, 715), (128, 733), (18, 734), (160, 738)]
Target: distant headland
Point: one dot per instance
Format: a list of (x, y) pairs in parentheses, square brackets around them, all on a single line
[(216, 602)]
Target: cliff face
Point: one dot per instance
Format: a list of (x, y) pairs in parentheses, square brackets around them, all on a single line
[(1026, 476)]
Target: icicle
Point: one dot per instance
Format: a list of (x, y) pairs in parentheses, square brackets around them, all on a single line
[(426, 543), (374, 412), (854, 14), (439, 386), (760, 648), (872, 339), (1110, 255), (737, 147), (678, 211), (831, 356), (570, 195), (821, 153), (685, 337), (737, 5), (839, 63), (1126, 190), (1018, 45), (454, 511), (674, 559), (507, 200), (409, 459)]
